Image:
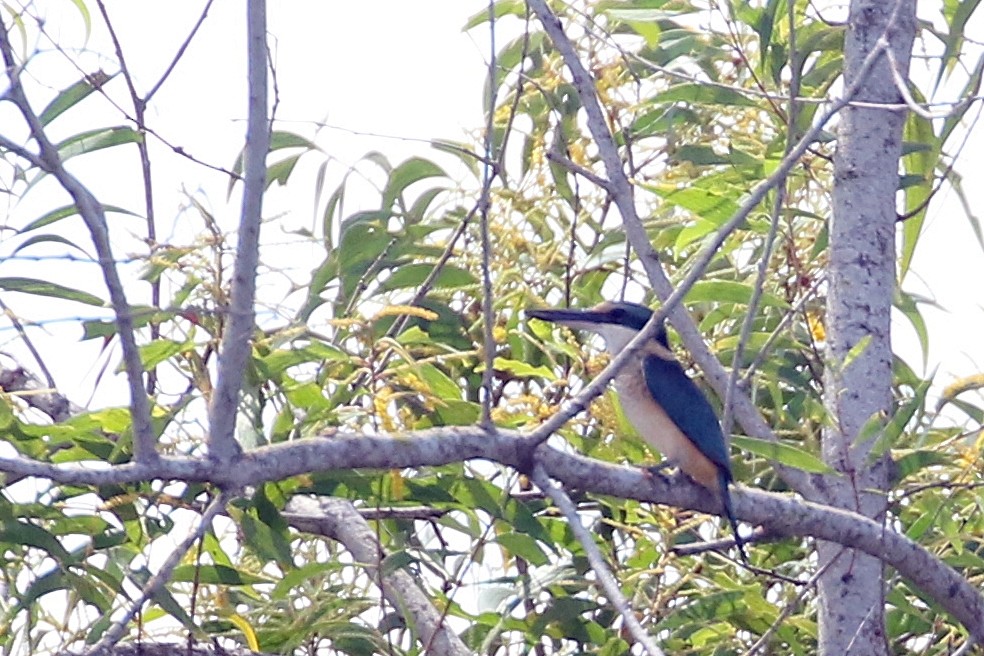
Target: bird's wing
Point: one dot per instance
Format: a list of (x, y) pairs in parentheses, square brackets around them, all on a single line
[(687, 407)]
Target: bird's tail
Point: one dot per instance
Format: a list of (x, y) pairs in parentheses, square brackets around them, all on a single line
[(729, 511)]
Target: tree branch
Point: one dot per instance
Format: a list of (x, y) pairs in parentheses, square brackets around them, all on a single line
[(606, 580), (115, 632), (339, 520), (237, 339), (144, 443), (780, 515)]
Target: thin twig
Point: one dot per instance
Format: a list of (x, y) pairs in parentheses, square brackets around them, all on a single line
[(788, 609), (29, 343), (758, 289), (339, 520), (178, 150), (903, 88), (181, 50), (92, 213), (157, 581), (573, 167), (598, 565), (488, 174), (139, 109)]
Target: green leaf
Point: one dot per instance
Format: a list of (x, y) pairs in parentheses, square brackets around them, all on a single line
[(729, 291), (458, 413), (278, 361), (215, 575), (521, 369), (784, 454), (713, 206), (439, 383), (523, 546), (72, 95), (280, 139), (45, 288), (405, 174), (160, 350), (265, 541), (396, 561), (499, 9), (896, 425), (919, 168), (142, 316), (856, 351), (907, 304), (648, 31), (912, 462), (24, 534), (956, 14), (93, 140), (45, 239), (300, 576), (163, 598), (703, 94), (412, 275)]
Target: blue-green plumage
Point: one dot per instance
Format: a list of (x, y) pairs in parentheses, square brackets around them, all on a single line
[(687, 407), (666, 407)]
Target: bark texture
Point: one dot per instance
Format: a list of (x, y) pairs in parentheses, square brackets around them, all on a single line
[(861, 284)]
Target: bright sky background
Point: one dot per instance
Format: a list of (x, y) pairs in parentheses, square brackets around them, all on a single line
[(387, 67)]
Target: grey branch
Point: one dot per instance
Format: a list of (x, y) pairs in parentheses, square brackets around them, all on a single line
[(598, 565), (780, 515), (116, 631), (339, 520), (91, 211), (236, 342)]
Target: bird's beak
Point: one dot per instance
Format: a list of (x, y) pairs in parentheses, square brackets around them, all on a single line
[(576, 319)]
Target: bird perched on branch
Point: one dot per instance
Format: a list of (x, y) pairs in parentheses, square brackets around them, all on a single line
[(663, 404)]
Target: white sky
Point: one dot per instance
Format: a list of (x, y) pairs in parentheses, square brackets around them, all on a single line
[(388, 67)]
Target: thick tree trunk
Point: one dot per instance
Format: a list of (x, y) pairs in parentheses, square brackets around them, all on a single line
[(861, 283)]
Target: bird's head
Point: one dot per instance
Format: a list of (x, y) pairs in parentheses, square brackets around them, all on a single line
[(616, 322)]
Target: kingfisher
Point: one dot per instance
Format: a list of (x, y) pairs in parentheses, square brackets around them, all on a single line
[(664, 405)]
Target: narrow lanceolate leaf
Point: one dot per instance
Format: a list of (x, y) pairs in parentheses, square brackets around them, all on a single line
[(72, 95), (784, 454), (64, 212), (919, 168), (522, 369), (45, 288), (215, 575), (730, 291), (93, 140), (705, 95)]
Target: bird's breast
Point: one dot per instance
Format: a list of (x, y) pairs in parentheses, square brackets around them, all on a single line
[(655, 426)]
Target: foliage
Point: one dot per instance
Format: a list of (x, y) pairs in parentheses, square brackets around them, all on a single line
[(384, 334)]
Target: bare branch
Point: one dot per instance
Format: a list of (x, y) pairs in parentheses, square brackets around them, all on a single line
[(237, 340), (789, 608), (488, 175), (339, 520), (598, 565), (780, 515), (43, 397), (573, 167), (115, 632), (180, 53), (92, 213)]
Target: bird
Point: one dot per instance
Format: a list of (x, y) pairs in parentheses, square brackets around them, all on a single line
[(663, 404)]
